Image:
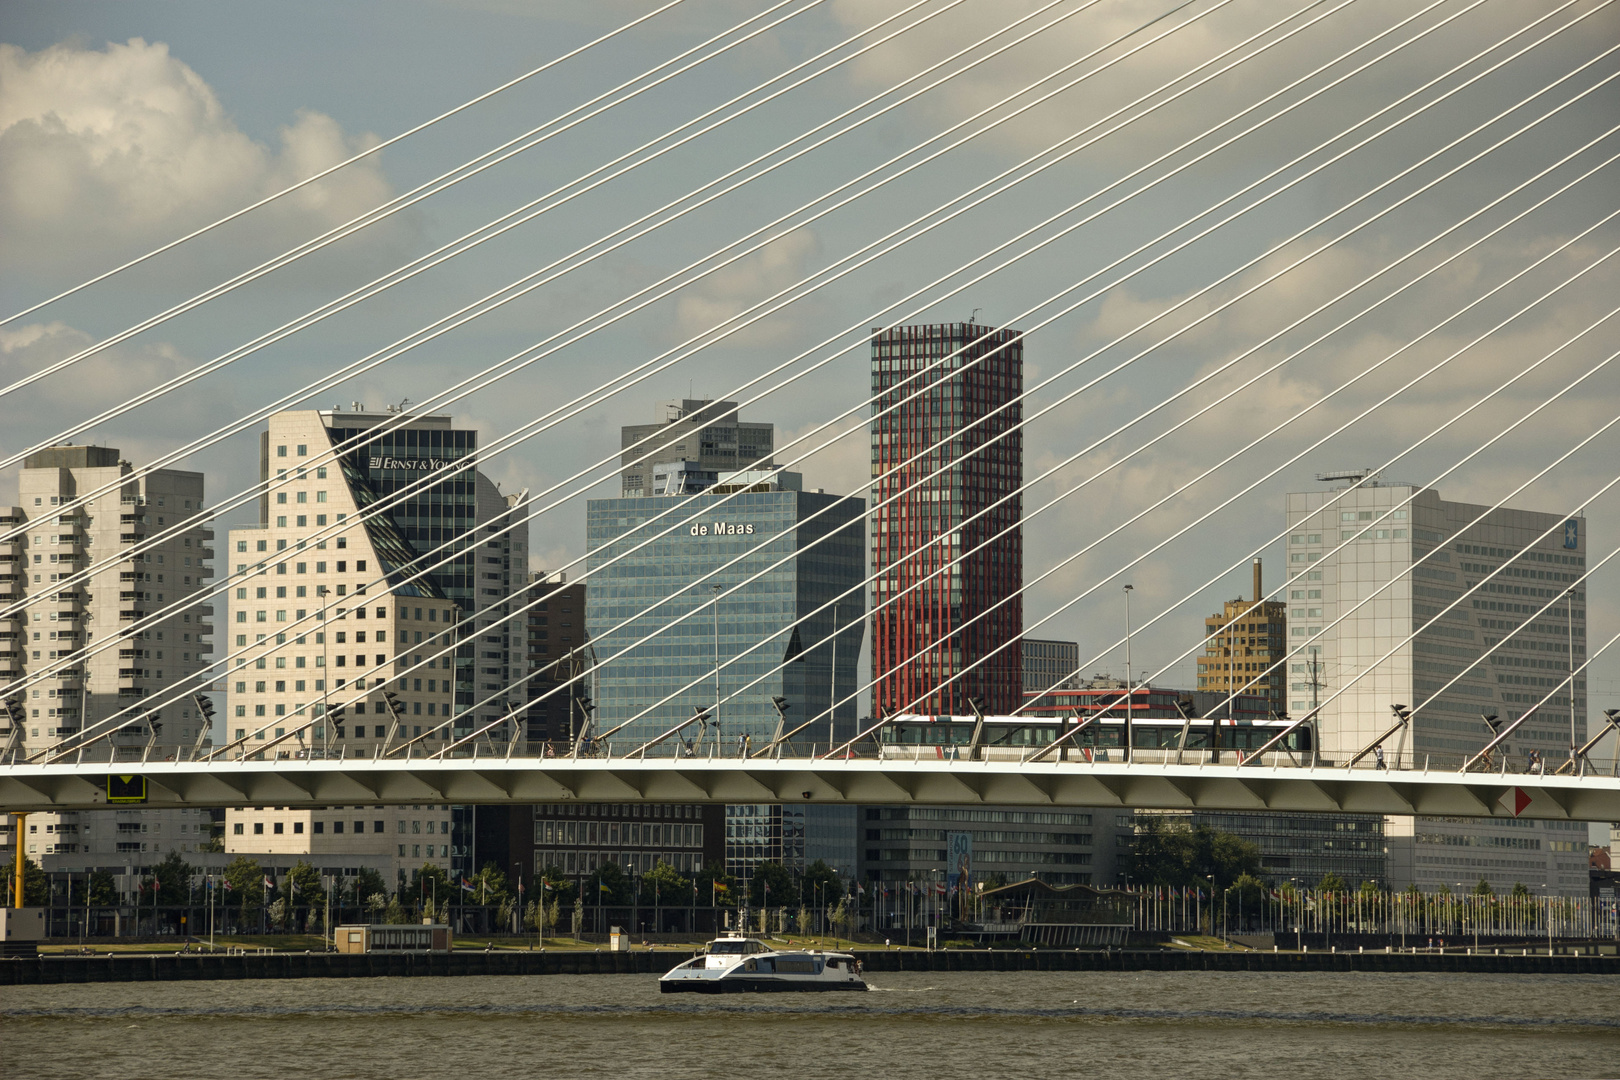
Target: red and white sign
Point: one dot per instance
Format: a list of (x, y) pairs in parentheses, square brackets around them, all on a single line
[(1515, 799)]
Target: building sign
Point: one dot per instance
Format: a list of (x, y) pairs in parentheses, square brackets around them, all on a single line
[(1572, 535), (414, 464), (723, 528), (958, 860)]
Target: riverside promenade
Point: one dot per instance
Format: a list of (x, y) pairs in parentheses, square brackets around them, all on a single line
[(180, 967)]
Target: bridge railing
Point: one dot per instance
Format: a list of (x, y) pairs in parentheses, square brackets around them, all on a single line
[(1517, 763)]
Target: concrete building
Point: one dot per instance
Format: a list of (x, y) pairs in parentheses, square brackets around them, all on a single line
[(1242, 642), (692, 442), (1404, 524), (926, 844), (330, 623), (555, 629), (960, 434), (393, 840), (753, 631), (62, 625), (576, 838), (1050, 665)]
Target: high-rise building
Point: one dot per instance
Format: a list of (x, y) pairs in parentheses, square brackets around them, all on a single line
[(62, 626), (555, 628), (691, 443), (358, 632), (393, 840), (947, 466), (1242, 643), (1427, 650), (465, 511), (1050, 665), (752, 632)]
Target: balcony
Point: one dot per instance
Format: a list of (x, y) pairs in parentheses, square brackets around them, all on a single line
[(11, 587), (10, 664), (131, 614), (12, 548)]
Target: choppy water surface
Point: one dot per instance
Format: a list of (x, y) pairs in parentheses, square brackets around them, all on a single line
[(936, 1026)]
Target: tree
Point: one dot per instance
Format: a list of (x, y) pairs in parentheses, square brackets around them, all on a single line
[(772, 883), (246, 880), (1483, 888), (306, 888), (173, 879), (1333, 883), (1520, 890), (103, 890), (820, 884), (367, 884), (803, 921), (715, 886), (376, 904), (609, 885), (579, 915), (429, 886), (489, 885), (555, 884), (664, 885), (36, 892), (1183, 856)]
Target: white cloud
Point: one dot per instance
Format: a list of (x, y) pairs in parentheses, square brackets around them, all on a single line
[(129, 146), (724, 294), (42, 410)]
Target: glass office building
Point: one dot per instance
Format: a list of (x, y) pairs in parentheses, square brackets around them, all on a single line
[(631, 597)]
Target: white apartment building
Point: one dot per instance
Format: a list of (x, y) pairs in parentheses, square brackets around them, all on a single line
[(394, 840), (63, 622), (333, 613), (1404, 596)]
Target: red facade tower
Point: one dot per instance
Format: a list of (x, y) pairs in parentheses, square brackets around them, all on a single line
[(955, 431)]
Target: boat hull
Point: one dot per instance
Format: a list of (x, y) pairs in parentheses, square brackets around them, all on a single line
[(758, 985)]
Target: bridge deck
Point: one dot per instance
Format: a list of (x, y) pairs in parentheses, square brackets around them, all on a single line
[(295, 783)]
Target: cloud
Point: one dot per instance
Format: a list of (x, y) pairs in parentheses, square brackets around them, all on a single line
[(724, 294), (40, 411), (128, 146)]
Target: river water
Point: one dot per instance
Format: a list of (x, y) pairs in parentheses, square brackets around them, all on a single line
[(1015, 1024)]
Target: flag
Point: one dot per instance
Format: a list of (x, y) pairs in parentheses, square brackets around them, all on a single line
[(722, 886), (227, 884), (466, 886), (602, 886), (268, 883), (860, 889)]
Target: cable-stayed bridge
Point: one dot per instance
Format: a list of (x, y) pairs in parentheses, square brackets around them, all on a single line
[(1432, 145)]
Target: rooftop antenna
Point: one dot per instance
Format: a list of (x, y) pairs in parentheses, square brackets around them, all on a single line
[(404, 404), (973, 318)]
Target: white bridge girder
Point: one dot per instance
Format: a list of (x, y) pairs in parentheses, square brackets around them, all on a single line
[(33, 788)]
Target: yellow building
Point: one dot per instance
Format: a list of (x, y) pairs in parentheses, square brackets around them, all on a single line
[(1242, 643)]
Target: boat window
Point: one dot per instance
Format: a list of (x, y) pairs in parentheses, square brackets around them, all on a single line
[(730, 947)]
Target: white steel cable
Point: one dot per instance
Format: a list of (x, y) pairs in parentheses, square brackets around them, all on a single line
[(1121, 461), (1272, 251), (223, 585), (1182, 489), (529, 282), (250, 494), (1569, 341), (346, 162), (487, 160), (733, 589), (1510, 36), (1477, 586)]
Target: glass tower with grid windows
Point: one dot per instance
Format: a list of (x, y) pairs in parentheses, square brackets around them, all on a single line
[(946, 467), (754, 631)]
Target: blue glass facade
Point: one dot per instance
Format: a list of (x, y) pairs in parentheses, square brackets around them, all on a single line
[(755, 624)]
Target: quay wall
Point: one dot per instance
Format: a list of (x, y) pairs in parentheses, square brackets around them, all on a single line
[(51, 969)]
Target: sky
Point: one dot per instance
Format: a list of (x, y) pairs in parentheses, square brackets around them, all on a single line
[(1351, 219)]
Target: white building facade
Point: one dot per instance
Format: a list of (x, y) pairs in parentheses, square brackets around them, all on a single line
[(66, 621), (1397, 645)]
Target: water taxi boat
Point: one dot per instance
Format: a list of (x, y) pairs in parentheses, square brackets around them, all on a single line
[(736, 965)]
